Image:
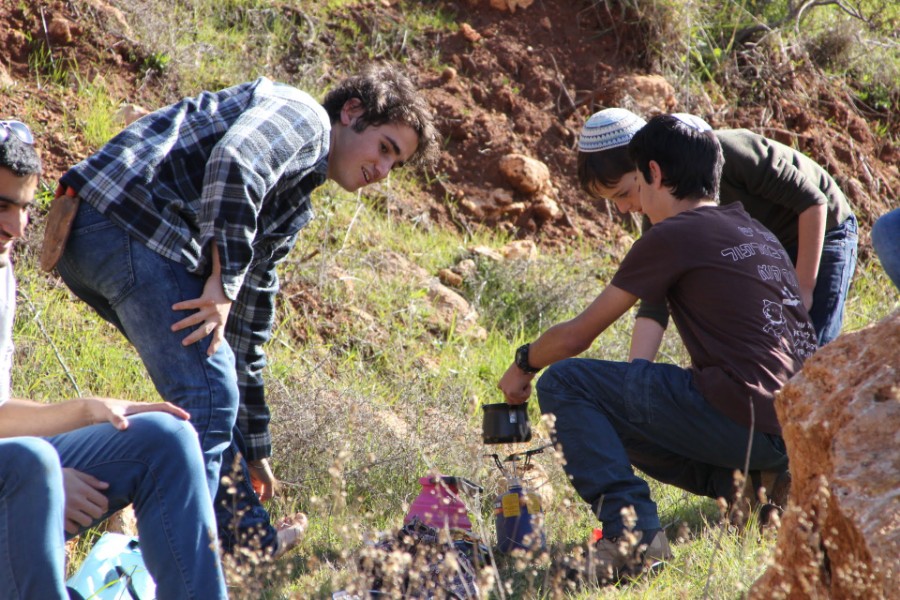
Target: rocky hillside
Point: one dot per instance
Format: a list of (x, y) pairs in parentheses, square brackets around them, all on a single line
[(515, 77)]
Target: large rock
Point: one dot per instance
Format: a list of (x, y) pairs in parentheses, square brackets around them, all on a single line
[(840, 535), (525, 174), (644, 94)]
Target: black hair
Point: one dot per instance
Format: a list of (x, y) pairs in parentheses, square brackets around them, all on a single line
[(19, 157), (690, 160), (605, 167), (387, 96)]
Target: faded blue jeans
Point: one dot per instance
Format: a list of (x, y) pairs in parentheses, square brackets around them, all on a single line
[(155, 464), (836, 269), (886, 241), (612, 415), (134, 288), (32, 544)]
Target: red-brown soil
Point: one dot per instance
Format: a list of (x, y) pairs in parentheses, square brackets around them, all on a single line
[(522, 82)]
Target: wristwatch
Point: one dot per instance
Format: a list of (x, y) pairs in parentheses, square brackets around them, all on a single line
[(522, 359)]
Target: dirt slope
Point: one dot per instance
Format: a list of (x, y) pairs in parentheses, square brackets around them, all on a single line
[(518, 82)]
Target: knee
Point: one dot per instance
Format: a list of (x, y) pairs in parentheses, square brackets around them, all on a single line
[(164, 433), (885, 230), (551, 382), (29, 459)]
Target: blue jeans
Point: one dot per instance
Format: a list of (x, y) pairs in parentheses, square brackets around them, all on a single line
[(32, 545), (155, 464), (612, 415), (243, 520), (134, 288), (886, 241), (833, 280)]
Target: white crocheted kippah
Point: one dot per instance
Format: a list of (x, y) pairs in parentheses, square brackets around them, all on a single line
[(609, 128)]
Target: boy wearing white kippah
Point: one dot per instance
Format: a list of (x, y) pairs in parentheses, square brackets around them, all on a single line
[(735, 300), (780, 187)]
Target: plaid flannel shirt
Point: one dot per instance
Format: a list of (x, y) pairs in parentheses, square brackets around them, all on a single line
[(235, 168)]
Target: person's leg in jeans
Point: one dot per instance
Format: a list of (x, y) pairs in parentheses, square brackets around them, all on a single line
[(702, 478), (602, 408), (134, 288), (886, 241), (32, 544), (156, 464), (836, 269), (243, 520)]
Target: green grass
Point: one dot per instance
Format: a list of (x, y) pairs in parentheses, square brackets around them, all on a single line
[(369, 389), (95, 113), (363, 408)]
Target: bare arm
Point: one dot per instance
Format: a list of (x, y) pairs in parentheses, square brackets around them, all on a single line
[(567, 339), (646, 338), (25, 417), (810, 237)]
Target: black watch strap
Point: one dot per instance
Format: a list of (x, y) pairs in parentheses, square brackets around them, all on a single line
[(522, 359)]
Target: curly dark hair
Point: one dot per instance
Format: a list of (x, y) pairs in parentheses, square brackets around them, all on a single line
[(19, 157), (387, 96)]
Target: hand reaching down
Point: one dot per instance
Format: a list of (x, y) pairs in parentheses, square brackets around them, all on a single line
[(85, 500), (262, 478)]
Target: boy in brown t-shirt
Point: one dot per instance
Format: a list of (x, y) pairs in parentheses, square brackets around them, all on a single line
[(734, 298)]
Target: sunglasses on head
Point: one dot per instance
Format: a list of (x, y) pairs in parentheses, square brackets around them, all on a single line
[(18, 128)]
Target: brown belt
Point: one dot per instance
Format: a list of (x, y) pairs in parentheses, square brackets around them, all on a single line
[(59, 222)]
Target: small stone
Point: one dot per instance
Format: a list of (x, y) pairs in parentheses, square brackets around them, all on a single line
[(449, 278)]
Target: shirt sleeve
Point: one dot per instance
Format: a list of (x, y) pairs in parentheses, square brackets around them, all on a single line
[(246, 335), (659, 312), (767, 169), (651, 267), (269, 138)]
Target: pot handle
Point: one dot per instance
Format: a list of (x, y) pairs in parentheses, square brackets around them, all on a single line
[(463, 483)]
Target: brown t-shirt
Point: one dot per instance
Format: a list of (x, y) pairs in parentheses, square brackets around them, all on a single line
[(733, 295)]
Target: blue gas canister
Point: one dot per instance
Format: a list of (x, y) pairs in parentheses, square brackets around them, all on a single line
[(519, 519)]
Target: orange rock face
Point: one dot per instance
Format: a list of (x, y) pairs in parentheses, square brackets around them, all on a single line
[(840, 535)]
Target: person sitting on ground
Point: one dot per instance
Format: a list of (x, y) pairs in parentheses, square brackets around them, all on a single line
[(68, 466), (182, 222), (886, 241), (745, 330), (782, 188)]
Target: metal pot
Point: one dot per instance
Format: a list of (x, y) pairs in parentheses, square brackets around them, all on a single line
[(504, 423)]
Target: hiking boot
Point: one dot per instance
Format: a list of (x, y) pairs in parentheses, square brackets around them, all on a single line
[(768, 487), (779, 488), (766, 492), (628, 555)]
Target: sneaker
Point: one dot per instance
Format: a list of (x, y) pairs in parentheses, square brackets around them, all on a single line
[(628, 555)]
